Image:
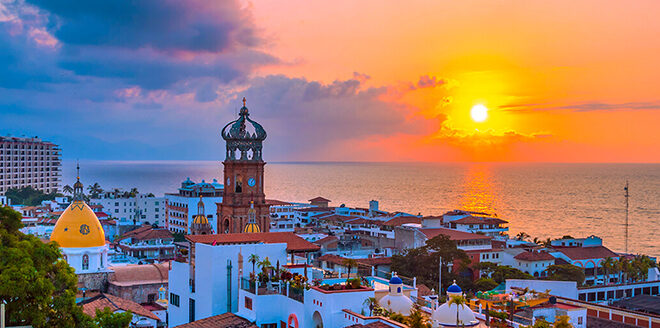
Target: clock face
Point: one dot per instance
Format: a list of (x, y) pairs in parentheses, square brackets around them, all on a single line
[(228, 181), (251, 182)]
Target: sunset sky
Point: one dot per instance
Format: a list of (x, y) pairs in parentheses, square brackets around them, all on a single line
[(563, 81)]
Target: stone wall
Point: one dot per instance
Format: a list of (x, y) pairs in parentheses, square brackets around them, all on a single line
[(136, 293), (95, 281)]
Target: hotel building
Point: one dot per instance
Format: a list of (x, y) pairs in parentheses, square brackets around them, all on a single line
[(29, 162)]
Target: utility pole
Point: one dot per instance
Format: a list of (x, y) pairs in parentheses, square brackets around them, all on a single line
[(440, 278), (627, 195)]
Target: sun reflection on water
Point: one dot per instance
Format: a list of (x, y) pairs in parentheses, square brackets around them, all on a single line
[(478, 193)]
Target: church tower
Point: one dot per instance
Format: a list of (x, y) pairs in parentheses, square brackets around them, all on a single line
[(200, 224), (244, 199)]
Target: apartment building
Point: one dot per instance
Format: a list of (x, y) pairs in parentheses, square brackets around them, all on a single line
[(29, 162)]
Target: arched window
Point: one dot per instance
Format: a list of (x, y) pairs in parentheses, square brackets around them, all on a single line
[(398, 289), (101, 260), (85, 262), (239, 184)]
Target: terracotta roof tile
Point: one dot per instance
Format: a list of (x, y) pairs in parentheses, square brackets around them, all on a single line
[(399, 220), (319, 199), (225, 320), (147, 233), (294, 243), (129, 275), (583, 253), (375, 261), (479, 220), (534, 256), (276, 202), (328, 239), (115, 303), (452, 234)]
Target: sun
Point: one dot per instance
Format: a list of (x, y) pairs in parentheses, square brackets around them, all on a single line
[(479, 113)]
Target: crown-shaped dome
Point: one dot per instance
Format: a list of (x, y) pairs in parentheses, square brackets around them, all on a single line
[(78, 227), (243, 128)]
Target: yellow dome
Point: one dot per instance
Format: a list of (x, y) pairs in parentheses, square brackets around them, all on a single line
[(252, 227), (200, 219), (78, 226)]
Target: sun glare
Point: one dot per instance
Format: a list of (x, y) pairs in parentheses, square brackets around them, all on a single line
[(479, 113)]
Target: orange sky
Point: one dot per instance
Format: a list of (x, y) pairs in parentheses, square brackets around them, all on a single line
[(564, 81)]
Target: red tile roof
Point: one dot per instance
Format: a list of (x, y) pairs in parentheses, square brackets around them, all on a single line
[(332, 258), (452, 234), (115, 303), (294, 243), (225, 320), (147, 233), (534, 256), (583, 253), (319, 199), (276, 202), (326, 240), (130, 275), (373, 261), (400, 220), (479, 220)]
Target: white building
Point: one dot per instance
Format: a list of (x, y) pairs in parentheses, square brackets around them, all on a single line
[(208, 283), (29, 162), (181, 207), (5, 201), (136, 210)]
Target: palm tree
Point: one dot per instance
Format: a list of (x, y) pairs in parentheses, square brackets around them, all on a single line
[(522, 236), (134, 192), (349, 263), (265, 264), (460, 301), (371, 303), (608, 265), (562, 322), (416, 319), (254, 258), (94, 190), (67, 189), (619, 265)]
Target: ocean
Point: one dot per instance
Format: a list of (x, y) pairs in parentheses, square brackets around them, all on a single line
[(543, 200)]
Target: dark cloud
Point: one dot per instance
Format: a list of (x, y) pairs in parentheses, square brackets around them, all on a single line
[(168, 25), (301, 115), (181, 46), (429, 82), (585, 107)]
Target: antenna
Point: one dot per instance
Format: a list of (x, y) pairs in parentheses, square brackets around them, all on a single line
[(627, 195)]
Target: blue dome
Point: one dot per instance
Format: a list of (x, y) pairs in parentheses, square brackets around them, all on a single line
[(454, 289), (396, 280)]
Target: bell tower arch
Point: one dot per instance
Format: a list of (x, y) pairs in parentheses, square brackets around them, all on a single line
[(243, 175)]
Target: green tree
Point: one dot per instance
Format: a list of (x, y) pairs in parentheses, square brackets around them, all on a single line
[(253, 258), (109, 319), (562, 322), (608, 266), (28, 196), (349, 263), (504, 272), (484, 284), (522, 236), (417, 319), (486, 268), (38, 286), (566, 272), (423, 262), (95, 190), (67, 190), (371, 303), (398, 317)]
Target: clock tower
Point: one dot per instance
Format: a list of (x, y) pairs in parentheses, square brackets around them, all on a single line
[(244, 200)]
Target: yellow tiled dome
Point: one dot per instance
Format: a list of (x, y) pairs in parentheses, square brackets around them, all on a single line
[(252, 227), (78, 226), (200, 219)]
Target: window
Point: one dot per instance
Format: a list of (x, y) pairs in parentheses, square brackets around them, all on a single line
[(191, 310), (174, 299), (248, 303), (85, 262), (151, 298), (579, 320), (101, 260)]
